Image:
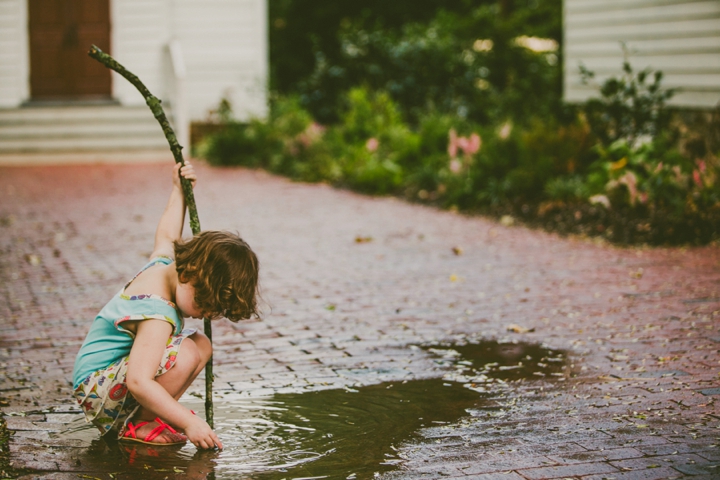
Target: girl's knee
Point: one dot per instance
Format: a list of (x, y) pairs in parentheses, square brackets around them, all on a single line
[(191, 358), (188, 356), (203, 346)]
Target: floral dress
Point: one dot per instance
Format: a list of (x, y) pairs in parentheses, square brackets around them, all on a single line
[(101, 365)]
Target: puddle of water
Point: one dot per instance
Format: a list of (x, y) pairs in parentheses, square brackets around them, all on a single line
[(478, 365), (332, 433)]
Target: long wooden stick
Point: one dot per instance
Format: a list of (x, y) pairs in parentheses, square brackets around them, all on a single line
[(176, 149)]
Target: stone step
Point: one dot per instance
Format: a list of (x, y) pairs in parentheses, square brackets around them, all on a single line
[(79, 113), (81, 144), (143, 156), (79, 128)]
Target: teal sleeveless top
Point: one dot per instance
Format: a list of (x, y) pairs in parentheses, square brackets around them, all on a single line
[(108, 340)]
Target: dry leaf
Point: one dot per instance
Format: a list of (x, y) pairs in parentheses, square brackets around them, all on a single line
[(519, 329), (636, 274), (33, 259)]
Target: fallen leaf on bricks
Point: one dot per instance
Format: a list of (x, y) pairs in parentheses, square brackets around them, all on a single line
[(519, 329), (33, 259), (361, 239), (637, 274), (457, 251)]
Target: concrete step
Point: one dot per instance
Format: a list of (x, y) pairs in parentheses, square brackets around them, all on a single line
[(83, 158), (75, 113), (81, 144), (79, 128)]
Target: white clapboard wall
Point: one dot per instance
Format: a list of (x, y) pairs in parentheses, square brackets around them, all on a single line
[(679, 37), (14, 53), (224, 44), (226, 51)]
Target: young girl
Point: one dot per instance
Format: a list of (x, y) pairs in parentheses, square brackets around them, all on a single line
[(137, 360)]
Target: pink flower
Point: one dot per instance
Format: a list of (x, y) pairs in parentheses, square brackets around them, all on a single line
[(372, 144), (505, 131), (701, 165), (452, 143), (455, 165), (659, 167), (698, 180), (469, 145), (474, 145), (643, 197), (311, 134), (464, 144)]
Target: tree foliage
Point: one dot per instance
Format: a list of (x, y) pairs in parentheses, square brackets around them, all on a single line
[(458, 57)]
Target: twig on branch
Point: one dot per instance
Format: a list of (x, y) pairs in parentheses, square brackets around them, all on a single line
[(155, 106)]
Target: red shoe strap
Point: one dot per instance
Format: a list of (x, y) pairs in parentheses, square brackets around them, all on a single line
[(158, 430), (131, 429), (172, 430)]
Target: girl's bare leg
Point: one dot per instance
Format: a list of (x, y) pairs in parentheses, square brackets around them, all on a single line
[(194, 353)]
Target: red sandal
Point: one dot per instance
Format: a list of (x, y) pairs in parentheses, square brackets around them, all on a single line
[(131, 436)]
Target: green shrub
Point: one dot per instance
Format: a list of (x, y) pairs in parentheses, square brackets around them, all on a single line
[(567, 189), (630, 108), (369, 172), (372, 143), (434, 61), (655, 177), (628, 191)]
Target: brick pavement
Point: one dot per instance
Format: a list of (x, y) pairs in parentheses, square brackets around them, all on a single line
[(641, 324)]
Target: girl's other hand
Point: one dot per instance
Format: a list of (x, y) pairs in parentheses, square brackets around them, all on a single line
[(187, 171), (201, 435)]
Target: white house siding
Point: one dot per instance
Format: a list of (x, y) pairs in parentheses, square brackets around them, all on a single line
[(679, 37), (140, 29), (224, 43), (14, 53)]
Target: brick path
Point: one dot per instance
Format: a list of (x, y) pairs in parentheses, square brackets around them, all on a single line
[(642, 325)]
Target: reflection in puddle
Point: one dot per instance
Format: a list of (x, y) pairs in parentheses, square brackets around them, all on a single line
[(350, 433), (480, 365)]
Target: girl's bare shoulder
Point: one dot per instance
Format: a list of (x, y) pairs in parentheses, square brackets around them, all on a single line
[(157, 280)]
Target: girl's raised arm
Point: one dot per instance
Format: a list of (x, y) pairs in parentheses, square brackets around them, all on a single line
[(172, 220)]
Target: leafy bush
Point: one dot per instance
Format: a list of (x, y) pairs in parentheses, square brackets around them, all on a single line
[(438, 62), (630, 108), (567, 189), (562, 175), (654, 177)]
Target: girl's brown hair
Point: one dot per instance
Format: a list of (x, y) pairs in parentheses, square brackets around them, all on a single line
[(224, 271)]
